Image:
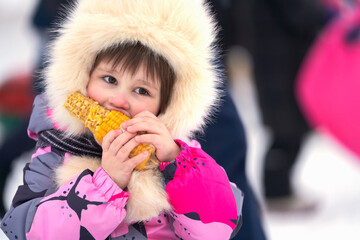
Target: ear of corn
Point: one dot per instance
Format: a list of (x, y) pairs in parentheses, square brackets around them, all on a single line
[(101, 121)]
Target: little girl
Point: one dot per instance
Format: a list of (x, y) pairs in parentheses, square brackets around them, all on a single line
[(153, 61)]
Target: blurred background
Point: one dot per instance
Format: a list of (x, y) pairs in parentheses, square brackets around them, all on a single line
[(303, 153)]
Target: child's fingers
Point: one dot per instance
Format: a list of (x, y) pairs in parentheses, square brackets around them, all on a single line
[(148, 138), (146, 125), (109, 138), (130, 123), (142, 116), (119, 142), (132, 162), (127, 147)]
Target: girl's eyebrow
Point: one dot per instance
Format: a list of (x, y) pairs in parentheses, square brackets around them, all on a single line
[(105, 69)]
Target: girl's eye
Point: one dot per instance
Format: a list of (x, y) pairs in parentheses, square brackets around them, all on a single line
[(142, 91), (110, 80)]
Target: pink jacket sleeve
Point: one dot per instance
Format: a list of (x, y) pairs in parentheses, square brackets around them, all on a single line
[(204, 204), (89, 205)]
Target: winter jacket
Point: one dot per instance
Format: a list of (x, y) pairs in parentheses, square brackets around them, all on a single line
[(67, 195), (92, 206)]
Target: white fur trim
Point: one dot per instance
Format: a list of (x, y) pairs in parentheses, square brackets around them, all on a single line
[(182, 31), (73, 167), (147, 196)]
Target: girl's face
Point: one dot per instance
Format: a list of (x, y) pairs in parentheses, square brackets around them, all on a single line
[(117, 89)]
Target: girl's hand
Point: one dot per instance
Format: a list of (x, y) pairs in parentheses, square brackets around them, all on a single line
[(115, 158), (156, 134)]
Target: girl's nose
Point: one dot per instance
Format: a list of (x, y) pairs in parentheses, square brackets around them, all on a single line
[(119, 101)]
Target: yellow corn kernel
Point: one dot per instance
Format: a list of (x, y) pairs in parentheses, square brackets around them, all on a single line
[(101, 121)]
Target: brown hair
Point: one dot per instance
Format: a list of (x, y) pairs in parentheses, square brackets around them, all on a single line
[(132, 55)]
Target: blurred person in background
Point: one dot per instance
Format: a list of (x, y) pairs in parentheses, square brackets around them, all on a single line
[(18, 44), (228, 128), (277, 35), (283, 32), (328, 82), (17, 93), (46, 16)]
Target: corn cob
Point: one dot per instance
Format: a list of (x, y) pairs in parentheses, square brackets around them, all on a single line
[(101, 121)]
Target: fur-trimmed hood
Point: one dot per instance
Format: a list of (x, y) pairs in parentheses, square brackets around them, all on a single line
[(182, 31)]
